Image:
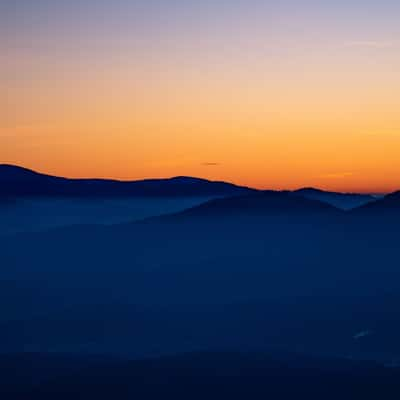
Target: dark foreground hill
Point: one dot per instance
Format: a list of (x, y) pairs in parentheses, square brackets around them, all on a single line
[(211, 375), (21, 182)]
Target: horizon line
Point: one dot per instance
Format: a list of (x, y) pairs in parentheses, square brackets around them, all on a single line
[(278, 189)]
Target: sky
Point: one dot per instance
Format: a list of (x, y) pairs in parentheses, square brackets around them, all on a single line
[(271, 94)]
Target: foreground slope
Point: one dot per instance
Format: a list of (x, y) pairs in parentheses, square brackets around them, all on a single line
[(247, 271), (216, 375)]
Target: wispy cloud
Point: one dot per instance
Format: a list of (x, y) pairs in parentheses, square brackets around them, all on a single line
[(210, 164), (373, 44)]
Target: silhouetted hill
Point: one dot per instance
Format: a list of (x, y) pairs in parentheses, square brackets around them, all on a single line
[(211, 375), (345, 201), (388, 205), (16, 181), (267, 203)]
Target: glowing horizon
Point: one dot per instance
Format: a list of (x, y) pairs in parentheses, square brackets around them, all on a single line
[(272, 96), (127, 179)]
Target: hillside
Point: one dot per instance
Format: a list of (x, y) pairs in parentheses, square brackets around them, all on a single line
[(21, 182), (345, 201)]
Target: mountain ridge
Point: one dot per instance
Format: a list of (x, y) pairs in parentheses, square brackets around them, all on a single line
[(389, 204), (343, 200), (19, 181), (263, 203)]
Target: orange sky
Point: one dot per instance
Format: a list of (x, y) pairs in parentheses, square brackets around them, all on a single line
[(235, 99)]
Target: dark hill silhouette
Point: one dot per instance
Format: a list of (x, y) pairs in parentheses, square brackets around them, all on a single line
[(345, 201), (17, 181), (266, 203), (381, 215), (390, 204)]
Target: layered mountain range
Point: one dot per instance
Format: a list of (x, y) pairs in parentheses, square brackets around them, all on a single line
[(240, 269)]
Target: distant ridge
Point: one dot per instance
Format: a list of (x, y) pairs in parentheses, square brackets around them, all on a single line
[(20, 182), (17, 182), (346, 201), (390, 204), (266, 203)]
